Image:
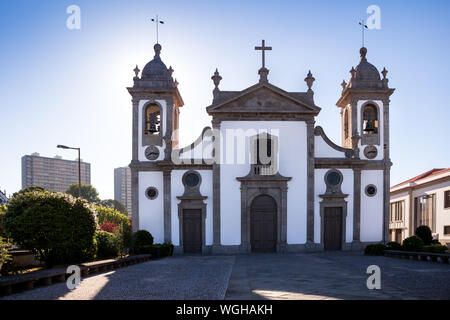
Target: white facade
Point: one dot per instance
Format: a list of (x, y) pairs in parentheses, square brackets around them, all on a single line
[(263, 178), (433, 185)]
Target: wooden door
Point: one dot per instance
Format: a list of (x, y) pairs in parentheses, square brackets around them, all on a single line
[(332, 228), (192, 230), (263, 224)]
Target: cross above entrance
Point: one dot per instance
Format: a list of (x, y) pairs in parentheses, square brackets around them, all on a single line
[(263, 48)]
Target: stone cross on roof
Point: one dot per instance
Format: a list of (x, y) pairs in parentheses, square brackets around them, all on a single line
[(263, 48)]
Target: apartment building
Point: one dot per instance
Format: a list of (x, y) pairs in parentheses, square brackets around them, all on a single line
[(55, 174)]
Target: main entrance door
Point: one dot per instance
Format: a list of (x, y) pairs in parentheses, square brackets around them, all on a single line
[(263, 224), (192, 230), (333, 228)]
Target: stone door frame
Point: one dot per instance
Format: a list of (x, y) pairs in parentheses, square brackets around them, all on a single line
[(191, 203), (333, 201), (253, 186)]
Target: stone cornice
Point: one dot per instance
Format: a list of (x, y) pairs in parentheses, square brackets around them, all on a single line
[(351, 94), (140, 93)]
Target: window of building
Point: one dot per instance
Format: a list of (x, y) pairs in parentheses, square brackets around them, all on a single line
[(397, 211), (447, 230), (447, 199), (425, 211)]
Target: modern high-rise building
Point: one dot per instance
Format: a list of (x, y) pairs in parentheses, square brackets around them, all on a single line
[(122, 186), (54, 174)]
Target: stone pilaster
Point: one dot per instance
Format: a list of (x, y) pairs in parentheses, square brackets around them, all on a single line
[(356, 209), (167, 206), (310, 182), (216, 194)]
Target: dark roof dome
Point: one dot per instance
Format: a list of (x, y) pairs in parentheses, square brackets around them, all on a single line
[(156, 69), (366, 71)]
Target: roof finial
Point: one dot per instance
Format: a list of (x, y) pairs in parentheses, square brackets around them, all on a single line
[(363, 53), (309, 80), (170, 70), (343, 84), (157, 49), (216, 79), (136, 72), (353, 72)]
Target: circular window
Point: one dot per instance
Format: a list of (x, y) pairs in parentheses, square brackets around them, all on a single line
[(371, 190), (151, 193), (334, 178), (191, 179)]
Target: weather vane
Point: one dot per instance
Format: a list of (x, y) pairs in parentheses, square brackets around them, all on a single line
[(157, 21), (363, 26)]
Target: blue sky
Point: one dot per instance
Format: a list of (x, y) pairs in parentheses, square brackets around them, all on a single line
[(60, 86)]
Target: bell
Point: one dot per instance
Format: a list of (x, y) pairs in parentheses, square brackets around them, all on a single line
[(153, 121), (153, 128), (369, 127)]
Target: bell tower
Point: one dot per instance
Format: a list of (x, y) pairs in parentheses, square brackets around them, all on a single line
[(156, 109), (364, 105)]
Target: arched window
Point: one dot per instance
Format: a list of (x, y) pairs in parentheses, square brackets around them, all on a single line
[(152, 120), (370, 119), (345, 124)]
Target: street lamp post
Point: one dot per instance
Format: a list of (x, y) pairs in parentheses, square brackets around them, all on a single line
[(79, 165)]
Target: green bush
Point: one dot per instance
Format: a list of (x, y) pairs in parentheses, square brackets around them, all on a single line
[(413, 243), (141, 238), (424, 233), (2, 213), (4, 253), (57, 227), (375, 249), (108, 245), (435, 248), (105, 214), (166, 249), (393, 246), (29, 189)]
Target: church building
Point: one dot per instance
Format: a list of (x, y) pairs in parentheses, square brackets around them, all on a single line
[(262, 177)]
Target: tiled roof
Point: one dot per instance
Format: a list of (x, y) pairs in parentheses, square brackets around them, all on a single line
[(427, 174)]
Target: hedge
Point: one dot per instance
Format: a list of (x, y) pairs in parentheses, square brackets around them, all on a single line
[(56, 226), (110, 215), (108, 245), (2, 213), (375, 249), (413, 243)]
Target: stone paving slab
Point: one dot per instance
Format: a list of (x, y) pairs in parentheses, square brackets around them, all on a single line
[(179, 277), (335, 275)]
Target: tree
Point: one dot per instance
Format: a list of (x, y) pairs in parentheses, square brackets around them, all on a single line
[(116, 205), (56, 226), (88, 192), (29, 189)]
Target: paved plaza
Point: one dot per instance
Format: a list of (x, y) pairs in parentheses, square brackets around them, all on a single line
[(327, 275)]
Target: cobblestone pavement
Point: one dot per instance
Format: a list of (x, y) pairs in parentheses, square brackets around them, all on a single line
[(327, 275), (335, 275), (179, 277)]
